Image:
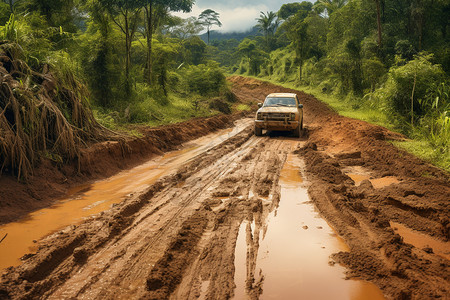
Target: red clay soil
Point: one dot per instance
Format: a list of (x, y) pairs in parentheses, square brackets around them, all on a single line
[(181, 232), (362, 214), (52, 180)]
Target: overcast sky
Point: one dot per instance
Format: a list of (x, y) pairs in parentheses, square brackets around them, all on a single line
[(236, 15)]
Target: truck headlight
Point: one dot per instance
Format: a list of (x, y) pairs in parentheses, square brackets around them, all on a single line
[(259, 116), (292, 117)]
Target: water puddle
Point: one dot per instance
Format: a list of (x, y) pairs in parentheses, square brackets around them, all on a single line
[(421, 241), (379, 183), (287, 254), (204, 289), (359, 176), (90, 199)]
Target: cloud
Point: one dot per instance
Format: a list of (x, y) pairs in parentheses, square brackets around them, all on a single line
[(220, 4), (233, 19), (236, 15)]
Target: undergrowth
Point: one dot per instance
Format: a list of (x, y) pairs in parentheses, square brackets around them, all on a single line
[(43, 113)]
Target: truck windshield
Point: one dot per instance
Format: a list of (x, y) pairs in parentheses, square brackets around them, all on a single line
[(280, 101)]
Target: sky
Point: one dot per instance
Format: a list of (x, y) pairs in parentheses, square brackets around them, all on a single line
[(235, 15)]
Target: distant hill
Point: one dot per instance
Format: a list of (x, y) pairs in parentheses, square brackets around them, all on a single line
[(216, 35)]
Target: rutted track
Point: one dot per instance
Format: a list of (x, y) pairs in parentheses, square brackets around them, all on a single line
[(177, 238), (131, 250)]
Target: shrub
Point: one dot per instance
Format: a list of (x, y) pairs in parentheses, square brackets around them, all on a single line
[(204, 79), (417, 75)]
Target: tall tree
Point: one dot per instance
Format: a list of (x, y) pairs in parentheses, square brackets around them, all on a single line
[(377, 3), (267, 24), (100, 76), (209, 18), (297, 32), (291, 9), (125, 15), (184, 28), (154, 9)]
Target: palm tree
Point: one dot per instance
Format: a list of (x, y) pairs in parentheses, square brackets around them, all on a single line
[(209, 18), (330, 5), (267, 24)]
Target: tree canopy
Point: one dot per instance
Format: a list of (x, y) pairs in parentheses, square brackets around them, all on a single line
[(209, 18)]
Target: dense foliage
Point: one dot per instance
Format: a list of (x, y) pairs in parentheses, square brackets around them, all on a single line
[(391, 56), (127, 52), (141, 64), (68, 64)]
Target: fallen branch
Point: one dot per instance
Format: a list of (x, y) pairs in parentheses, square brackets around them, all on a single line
[(3, 238)]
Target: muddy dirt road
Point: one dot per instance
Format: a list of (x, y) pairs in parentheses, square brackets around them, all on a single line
[(271, 217)]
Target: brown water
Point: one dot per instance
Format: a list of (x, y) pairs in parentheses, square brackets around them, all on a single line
[(420, 240), (377, 183), (288, 253), (90, 199)]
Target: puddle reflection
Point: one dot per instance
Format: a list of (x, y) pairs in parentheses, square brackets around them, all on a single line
[(286, 255), (420, 240)]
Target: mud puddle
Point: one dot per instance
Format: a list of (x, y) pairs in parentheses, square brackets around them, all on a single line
[(90, 199), (358, 175), (422, 241), (287, 254)]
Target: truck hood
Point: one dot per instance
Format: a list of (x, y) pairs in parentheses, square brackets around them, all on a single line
[(278, 109)]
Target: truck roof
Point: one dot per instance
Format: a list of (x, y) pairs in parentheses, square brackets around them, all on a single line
[(279, 95)]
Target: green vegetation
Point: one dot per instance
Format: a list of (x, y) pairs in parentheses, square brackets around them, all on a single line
[(75, 69), (133, 62), (133, 56), (384, 62)]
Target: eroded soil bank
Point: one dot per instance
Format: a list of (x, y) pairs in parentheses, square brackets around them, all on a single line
[(177, 238)]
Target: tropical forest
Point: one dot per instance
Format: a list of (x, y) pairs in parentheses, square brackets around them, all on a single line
[(206, 149), (120, 62)]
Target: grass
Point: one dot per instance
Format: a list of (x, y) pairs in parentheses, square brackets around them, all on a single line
[(419, 147), (179, 108), (423, 149), (157, 110), (242, 107), (152, 113), (349, 109)]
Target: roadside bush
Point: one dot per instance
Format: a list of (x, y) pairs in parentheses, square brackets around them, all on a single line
[(204, 79), (412, 80), (435, 125)]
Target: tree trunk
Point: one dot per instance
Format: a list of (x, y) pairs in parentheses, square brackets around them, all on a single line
[(377, 2), (149, 16), (420, 30), (412, 99), (128, 50)]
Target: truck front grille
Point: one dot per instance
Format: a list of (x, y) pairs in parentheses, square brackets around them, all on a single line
[(275, 116)]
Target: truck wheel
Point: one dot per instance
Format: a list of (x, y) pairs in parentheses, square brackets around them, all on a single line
[(258, 131), (297, 131)]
